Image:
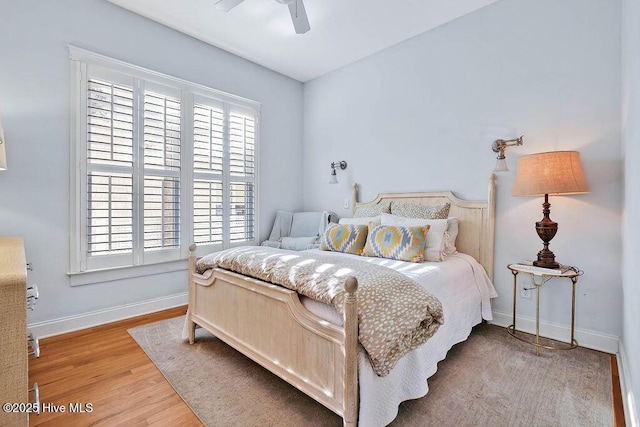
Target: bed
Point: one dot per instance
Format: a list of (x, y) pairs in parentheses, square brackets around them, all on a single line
[(318, 353)]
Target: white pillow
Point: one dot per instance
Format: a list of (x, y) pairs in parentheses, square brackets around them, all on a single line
[(435, 236), (297, 243), (363, 220), (450, 236)]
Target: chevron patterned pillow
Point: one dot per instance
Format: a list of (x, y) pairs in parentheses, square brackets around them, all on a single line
[(348, 238), (397, 242)]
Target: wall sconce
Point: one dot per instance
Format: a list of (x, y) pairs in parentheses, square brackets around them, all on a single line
[(334, 177), (3, 154), (498, 146)]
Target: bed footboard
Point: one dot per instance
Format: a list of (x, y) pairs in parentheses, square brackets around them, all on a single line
[(269, 324)]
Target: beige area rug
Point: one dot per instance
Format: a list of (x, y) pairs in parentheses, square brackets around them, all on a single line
[(491, 379)]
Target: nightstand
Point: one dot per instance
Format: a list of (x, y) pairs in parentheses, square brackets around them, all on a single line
[(539, 277)]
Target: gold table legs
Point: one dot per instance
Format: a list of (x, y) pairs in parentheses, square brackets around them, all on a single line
[(536, 342)]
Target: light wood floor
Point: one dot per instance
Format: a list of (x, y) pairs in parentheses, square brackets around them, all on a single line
[(105, 367)]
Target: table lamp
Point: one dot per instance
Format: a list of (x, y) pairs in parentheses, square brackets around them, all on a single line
[(555, 173)]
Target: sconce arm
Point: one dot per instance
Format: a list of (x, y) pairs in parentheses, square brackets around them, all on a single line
[(499, 145), (341, 164)]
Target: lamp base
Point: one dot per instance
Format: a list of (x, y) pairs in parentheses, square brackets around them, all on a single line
[(546, 261), (546, 229)]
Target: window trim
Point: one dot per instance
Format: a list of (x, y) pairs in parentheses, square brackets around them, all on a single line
[(80, 60)]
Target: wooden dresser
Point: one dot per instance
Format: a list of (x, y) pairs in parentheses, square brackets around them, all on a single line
[(13, 329)]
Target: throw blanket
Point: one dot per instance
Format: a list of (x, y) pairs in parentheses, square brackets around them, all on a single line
[(395, 314)]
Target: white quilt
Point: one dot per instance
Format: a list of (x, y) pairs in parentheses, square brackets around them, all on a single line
[(464, 290)]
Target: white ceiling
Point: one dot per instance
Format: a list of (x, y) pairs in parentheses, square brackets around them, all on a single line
[(342, 31)]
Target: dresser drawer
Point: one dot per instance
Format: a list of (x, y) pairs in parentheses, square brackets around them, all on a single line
[(14, 386)]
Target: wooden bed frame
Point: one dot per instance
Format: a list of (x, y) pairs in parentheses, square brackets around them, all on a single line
[(269, 324)]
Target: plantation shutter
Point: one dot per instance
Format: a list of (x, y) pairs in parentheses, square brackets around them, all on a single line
[(158, 162), (208, 168), (242, 163), (161, 182), (109, 168), (122, 228), (224, 162)]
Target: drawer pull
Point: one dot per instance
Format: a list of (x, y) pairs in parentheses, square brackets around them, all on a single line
[(36, 398), (32, 295), (32, 292), (34, 344)]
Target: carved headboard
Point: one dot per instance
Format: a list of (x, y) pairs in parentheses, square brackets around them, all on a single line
[(476, 235)]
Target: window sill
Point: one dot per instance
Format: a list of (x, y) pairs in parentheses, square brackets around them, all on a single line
[(119, 273)]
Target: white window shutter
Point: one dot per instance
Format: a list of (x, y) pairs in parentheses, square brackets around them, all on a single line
[(154, 153), (162, 153), (208, 167), (109, 178), (242, 165), (207, 212)]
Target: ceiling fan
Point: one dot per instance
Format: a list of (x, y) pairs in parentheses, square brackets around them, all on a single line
[(296, 9)]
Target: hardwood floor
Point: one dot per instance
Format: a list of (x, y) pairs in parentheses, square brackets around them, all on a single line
[(618, 409), (105, 367)]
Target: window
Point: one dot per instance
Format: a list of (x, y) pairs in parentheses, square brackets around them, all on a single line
[(159, 163)]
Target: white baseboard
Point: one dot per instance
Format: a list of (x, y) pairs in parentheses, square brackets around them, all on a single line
[(588, 339), (100, 317), (630, 410)]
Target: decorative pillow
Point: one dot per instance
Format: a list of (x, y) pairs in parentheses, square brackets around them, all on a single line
[(416, 211), (450, 236), (401, 243), (297, 243), (435, 239), (363, 220), (348, 238), (373, 210)]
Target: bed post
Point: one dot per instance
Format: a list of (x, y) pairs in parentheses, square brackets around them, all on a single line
[(354, 198), (351, 353), (491, 201), (192, 292)]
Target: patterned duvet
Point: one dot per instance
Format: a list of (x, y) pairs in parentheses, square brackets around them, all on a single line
[(395, 314)]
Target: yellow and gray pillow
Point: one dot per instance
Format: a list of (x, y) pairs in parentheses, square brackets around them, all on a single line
[(435, 247), (397, 242), (347, 238)]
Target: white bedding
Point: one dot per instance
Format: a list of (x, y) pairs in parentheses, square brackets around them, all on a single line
[(464, 290)]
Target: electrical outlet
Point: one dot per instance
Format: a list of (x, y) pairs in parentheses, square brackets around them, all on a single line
[(525, 292)]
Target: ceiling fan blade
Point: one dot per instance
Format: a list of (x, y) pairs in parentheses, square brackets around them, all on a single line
[(226, 5), (299, 17)]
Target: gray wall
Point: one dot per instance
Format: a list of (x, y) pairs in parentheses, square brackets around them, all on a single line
[(34, 98), (631, 211), (421, 116)]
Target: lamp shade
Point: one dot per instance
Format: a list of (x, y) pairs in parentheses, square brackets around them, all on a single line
[(501, 165), (554, 172), (3, 153), (333, 179)]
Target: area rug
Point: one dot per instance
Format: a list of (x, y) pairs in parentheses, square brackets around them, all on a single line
[(491, 379)]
